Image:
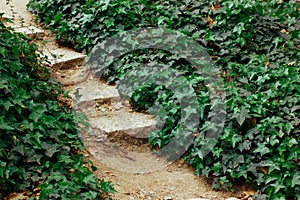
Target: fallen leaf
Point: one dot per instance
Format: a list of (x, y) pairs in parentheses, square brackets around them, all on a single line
[(266, 63), (264, 170), (253, 121), (215, 7), (292, 63), (209, 20), (22, 55), (248, 194), (284, 31)]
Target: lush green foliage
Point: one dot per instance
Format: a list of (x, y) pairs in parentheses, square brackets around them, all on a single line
[(39, 142), (254, 43)]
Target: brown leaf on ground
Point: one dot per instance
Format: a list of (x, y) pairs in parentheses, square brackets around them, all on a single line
[(16, 196), (292, 63), (215, 7), (264, 170), (209, 20), (284, 31), (248, 193)]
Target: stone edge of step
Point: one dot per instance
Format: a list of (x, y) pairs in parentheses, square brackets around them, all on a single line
[(63, 60), (137, 130), (30, 31), (5, 16)]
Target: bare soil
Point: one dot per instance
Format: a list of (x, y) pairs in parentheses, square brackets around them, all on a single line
[(138, 176)]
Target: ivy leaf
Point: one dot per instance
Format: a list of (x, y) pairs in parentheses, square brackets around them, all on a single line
[(5, 126), (7, 105), (277, 186), (262, 149), (292, 142), (239, 28), (108, 22), (51, 150), (242, 116), (57, 17), (235, 139), (89, 179), (19, 149), (296, 179), (36, 136), (37, 112)]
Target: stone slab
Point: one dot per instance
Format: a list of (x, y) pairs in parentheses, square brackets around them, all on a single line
[(73, 76), (62, 58), (5, 16), (134, 124), (93, 90), (30, 31)]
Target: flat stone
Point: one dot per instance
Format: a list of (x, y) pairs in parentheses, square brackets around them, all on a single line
[(72, 76), (5, 16), (93, 90), (63, 58), (134, 124), (30, 31)]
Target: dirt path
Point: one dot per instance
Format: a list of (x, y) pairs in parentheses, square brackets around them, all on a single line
[(174, 182), (124, 160)]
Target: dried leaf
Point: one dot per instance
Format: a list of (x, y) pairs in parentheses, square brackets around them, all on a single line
[(209, 20), (264, 170), (292, 63)]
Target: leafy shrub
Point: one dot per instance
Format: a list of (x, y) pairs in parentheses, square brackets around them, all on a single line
[(39, 143), (254, 43)]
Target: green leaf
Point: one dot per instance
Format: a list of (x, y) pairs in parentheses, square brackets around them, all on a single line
[(37, 112), (5, 126), (20, 149), (277, 186), (292, 142), (7, 105), (262, 149), (36, 136), (109, 23), (239, 28), (57, 17), (89, 179), (296, 179), (51, 151), (242, 116), (107, 187)]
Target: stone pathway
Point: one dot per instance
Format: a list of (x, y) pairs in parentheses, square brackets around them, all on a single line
[(117, 140)]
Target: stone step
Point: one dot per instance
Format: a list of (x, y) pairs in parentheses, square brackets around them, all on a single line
[(6, 17), (123, 124), (73, 76), (30, 31), (90, 91), (104, 107), (63, 58)]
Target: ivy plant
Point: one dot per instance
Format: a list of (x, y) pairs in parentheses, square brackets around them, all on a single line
[(40, 148)]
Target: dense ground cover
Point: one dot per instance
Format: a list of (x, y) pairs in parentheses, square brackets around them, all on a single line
[(255, 44), (39, 142)]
